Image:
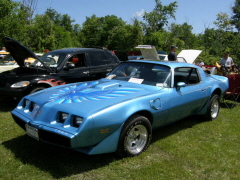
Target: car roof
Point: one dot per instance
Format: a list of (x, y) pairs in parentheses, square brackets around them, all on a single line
[(71, 50), (172, 64)]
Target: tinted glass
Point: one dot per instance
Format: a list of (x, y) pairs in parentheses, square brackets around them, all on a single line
[(142, 73), (98, 58)]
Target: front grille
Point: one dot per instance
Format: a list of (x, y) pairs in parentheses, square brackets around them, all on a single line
[(46, 135), (54, 138), (19, 121)]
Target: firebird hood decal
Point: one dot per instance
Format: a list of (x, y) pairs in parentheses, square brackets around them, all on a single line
[(88, 92)]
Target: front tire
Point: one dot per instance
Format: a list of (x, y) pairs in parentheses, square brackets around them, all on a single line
[(213, 108), (135, 136)]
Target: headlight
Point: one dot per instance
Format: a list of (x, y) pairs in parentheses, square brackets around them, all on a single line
[(77, 121), (63, 117), (20, 84)]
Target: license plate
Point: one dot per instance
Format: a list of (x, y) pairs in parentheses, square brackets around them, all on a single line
[(31, 131)]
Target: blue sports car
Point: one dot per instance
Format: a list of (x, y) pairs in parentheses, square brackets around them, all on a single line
[(119, 112)]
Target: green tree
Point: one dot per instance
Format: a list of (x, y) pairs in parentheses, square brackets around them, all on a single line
[(43, 35), (236, 15), (90, 32), (183, 32), (223, 22), (29, 6), (96, 30), (158, 18), (162, 40), (13, 19)]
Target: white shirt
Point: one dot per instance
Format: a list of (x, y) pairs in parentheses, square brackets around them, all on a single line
[(200, 64), (227, 62), (2, 56)]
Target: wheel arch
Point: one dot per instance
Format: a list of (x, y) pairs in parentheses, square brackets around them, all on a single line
[(144, 113), (45, 85), (217, 91)]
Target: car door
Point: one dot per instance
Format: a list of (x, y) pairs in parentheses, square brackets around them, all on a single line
[(188, 100), (100, 64), (76, 69)]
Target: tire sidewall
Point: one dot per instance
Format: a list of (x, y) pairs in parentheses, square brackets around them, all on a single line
[(129, 125), (209, 114)]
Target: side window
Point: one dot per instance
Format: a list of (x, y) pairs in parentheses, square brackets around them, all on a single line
[(187, 75), (112, 57), (78, 60), (180, 75), (193, 77), (98, 58)]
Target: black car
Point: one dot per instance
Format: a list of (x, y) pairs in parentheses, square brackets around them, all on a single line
[(55, 68)]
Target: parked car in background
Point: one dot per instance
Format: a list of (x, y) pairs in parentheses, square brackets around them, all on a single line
[(149, 52), (8, 62), (31, 60), (55, 68), (119, 112)]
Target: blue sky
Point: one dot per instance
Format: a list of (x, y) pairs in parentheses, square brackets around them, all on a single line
[(198, 13)]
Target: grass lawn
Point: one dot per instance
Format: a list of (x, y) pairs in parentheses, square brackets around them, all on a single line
[(188, 149)]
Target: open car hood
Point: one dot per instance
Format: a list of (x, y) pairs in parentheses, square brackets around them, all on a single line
[(190, 55), (20, 52), (148, 52)]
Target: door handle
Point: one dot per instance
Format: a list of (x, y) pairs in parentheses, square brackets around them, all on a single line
[(109, 70), (85, 72)]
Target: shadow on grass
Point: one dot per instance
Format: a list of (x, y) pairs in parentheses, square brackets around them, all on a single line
[(61, 162), (58, 161), (229, 105), (177, 126)]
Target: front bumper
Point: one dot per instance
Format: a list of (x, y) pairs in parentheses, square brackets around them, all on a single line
[(46, 135), (14, 92)]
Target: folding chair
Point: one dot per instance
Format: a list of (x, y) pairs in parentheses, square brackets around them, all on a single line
[(232, 96)]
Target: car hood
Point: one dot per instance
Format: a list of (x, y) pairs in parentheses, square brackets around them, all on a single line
[(150, 52), (20, 52), (88, 97), (190, 55)]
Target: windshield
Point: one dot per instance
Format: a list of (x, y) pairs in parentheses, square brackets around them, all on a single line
[(142, 73), (51, 59), (7, 60)]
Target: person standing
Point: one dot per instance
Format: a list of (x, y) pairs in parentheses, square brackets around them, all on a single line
[(172, 56), (200, 63), (226, 60), (3, 50)]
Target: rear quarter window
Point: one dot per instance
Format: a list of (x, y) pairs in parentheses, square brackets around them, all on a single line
[(113, 59), (98, 58)]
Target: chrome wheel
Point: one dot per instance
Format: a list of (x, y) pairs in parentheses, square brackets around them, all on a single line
[(214, 108), (137, 139), (135, 136)]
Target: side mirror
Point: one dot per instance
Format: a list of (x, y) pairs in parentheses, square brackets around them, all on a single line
[(180, 84), (70, 66)]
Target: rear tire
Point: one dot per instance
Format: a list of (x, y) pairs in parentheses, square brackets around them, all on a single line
[(135, 136), (213, 108)]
